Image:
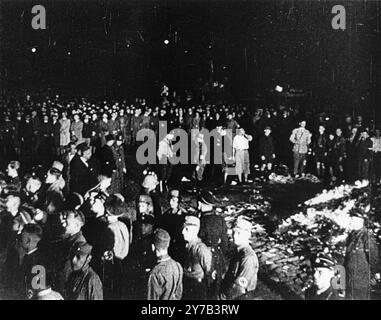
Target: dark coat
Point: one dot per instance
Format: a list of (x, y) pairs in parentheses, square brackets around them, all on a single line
[(213, 230), (266, 146), (107, 161), (361, 263), (101, 237), (82, 178), (58, 252), (56, 133)]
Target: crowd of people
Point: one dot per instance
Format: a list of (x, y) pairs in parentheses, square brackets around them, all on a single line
[(334, 147), (65, 212)]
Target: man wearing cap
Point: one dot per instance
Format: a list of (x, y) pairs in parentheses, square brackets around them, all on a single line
[(144, 207), (136, 125), (141, 258), (59, 246), (213, 232), (88, 130), (266, 150), (165, 281), (198, 262), (45, 147), (322, 289), (172, 221), (241, 279), (149, 186), (117, 185), (103, 128), (106, 157), (83, 283), (82, 173), (362, 262)]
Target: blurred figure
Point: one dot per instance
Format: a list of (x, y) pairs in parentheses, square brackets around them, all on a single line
[(320, 151), (266, 150)]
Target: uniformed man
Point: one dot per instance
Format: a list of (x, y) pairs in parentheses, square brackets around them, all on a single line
[(7, 139), (141, 258), (59, 246), (173, 221), (213, 232), (198, 262), (301, 138), (149, 186), (106, 157), (241, 278), (165, 281), (323, 267), (362, 261), (83, 283), (118, 178)]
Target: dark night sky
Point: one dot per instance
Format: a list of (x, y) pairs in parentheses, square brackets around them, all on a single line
[(117, 47)]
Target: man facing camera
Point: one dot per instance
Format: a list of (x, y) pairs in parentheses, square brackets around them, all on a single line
[(83, 283), (323, 274), (241, 279)]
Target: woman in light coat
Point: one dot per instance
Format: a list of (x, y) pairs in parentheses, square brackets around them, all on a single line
[(64, 131)]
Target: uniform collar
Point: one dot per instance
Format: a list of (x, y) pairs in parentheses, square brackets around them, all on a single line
[(163, 258)]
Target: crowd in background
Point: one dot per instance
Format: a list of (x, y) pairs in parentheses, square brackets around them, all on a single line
[(38, 131), (65, 208)]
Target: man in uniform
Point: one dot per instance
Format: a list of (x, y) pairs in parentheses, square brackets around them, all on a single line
[(60, 246), (165, 281), (83, 283), (33, 258), (301, 138), (213, 232), (323, 274), (241, 278), (173, 221), (7, 139), (198, 262), (106, 157), (141, 258), (362, 261)]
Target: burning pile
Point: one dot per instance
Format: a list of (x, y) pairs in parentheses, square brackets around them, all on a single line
[(288, 179)]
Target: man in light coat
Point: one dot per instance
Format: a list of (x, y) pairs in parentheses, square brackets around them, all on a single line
[(301, 138)]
